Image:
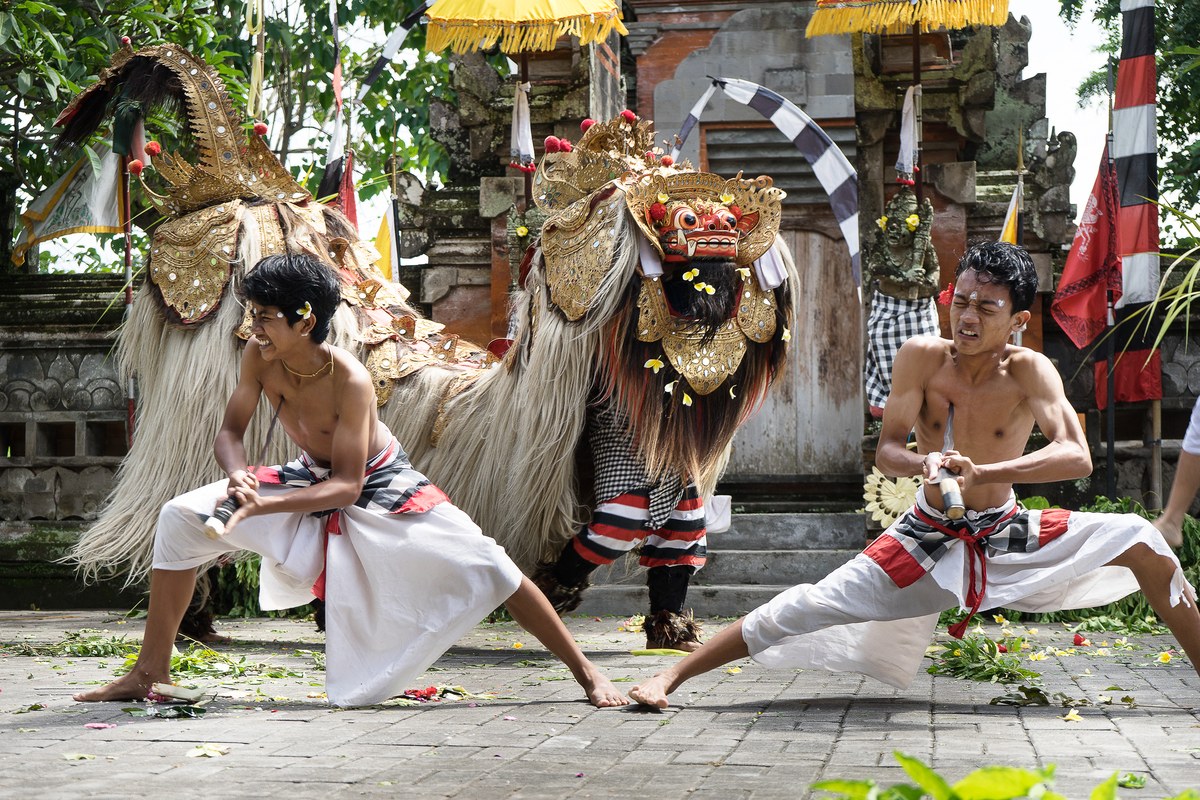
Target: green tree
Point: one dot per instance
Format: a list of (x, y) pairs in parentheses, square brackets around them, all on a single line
[(1178, 31), (50, 52)]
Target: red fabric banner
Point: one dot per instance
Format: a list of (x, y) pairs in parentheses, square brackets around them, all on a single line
[(1094, 264), (1130, 382)]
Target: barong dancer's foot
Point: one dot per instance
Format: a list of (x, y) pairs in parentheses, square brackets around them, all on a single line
[(133, 686), (532, 611), (726, 646), (667, 630)]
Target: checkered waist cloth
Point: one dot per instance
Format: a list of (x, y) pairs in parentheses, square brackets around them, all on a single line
[(914, 544), (390, 484)]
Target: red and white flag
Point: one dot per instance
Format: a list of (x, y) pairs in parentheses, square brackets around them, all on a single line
[(1137, 373), (1094, 264)]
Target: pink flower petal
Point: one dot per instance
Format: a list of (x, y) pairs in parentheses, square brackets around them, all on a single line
[(99, 725), (511, 719)]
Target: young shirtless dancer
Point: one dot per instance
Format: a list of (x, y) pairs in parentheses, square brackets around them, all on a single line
[(875, 615), (403, 572)]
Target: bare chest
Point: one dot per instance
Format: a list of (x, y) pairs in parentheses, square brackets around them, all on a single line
[(992, 419)]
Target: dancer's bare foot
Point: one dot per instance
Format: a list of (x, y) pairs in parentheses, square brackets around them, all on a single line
[(132, 686), (600, 691), (653, 692), (1171, 529)]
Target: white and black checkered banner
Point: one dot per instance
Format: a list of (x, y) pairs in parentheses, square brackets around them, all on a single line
[(828, 162)]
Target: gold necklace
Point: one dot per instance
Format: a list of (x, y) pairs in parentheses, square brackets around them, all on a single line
[(311, 374)]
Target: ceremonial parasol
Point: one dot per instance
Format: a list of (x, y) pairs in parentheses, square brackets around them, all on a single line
[(519, 26), (872, 16)]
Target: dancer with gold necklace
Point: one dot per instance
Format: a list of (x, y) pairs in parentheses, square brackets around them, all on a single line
[(403, 573)]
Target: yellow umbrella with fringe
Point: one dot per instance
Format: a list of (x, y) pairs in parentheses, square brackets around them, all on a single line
[(519, 26), (873, 16)]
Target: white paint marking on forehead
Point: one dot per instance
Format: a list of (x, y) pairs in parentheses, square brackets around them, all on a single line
[(974, 295), (1000, 303)]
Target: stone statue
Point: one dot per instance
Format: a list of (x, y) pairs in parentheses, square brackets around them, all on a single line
[(901, 258), (904, 271)]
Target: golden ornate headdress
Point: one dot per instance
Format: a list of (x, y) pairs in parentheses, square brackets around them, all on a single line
[(233, 163), (622, 153)]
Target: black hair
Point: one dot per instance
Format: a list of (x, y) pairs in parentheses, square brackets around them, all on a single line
[(1004, 264), (287, 282)]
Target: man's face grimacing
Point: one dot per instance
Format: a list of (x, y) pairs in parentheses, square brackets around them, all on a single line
[(981, 314)]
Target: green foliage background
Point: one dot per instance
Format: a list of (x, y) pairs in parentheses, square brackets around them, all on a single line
[(51, 51), (1178, 33)]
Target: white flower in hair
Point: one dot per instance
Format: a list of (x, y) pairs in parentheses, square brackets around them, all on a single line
[(305, 312)]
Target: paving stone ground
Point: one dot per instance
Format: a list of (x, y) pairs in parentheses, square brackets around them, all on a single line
[(755, 733)]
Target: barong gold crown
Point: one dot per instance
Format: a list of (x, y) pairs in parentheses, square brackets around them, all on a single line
[(232, 163), (622, 153)]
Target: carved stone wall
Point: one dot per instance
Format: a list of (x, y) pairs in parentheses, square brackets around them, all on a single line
[(62, 409)]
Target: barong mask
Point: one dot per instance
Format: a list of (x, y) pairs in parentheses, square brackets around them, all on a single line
[(698, 298)]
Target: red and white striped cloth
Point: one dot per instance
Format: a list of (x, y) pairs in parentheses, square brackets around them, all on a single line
[(1138, 370)]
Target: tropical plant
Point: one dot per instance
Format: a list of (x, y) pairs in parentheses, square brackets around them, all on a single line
[(986, 783)]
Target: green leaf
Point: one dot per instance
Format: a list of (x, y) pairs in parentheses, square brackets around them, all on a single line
[(1131, 781), (5, 26), (24, 83), (1187, 794), (94, 159), (926, 778), (998, 783), (857, 790), (1106, 790)]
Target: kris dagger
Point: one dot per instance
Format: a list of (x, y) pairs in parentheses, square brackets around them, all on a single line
[(947, 481)]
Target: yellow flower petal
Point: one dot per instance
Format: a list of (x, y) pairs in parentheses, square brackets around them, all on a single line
[(727, 198), (654, 364), (999, 619), (700, 286), (663, 197), (518, 645), (731, 392), (709, 288), (1072, 717), (522, 230), (691, 274), (1164, 658), (882, 223), (670, 387), (744, 272), (687, 399), (787, 335), (734, 670)]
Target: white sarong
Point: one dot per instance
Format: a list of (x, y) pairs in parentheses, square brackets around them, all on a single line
[(400, 588), (858, 619)]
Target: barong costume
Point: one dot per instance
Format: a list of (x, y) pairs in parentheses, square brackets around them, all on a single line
[(875, 615), (403, 572)]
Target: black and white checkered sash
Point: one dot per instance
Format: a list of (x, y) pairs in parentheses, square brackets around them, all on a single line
[(390, 484), (920, 538)]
